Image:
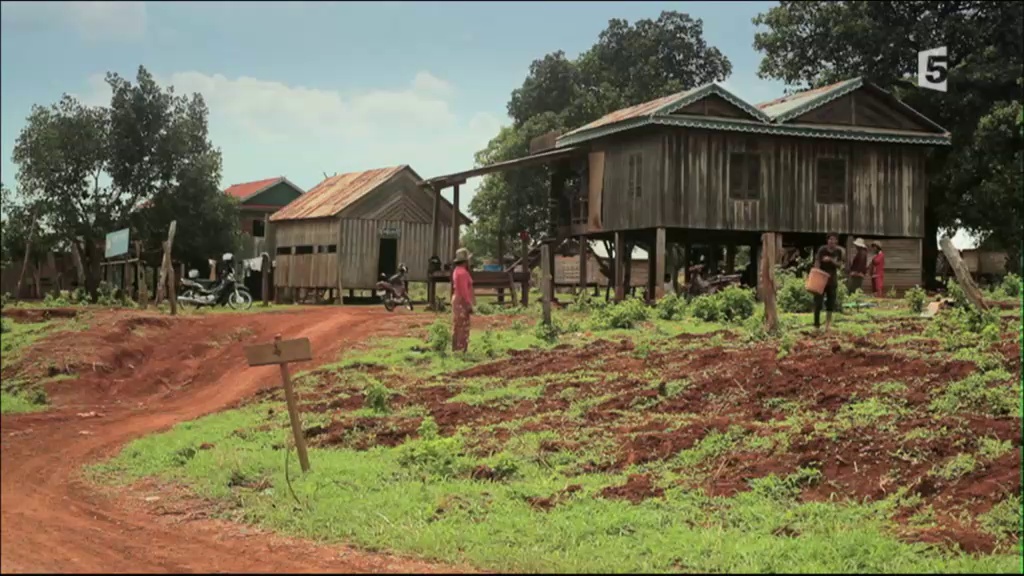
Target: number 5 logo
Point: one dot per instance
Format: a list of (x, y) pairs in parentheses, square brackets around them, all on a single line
[(933, 69)]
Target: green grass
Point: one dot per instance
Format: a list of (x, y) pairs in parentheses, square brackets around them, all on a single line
[(371, 499), (18, 395), (420, 498)]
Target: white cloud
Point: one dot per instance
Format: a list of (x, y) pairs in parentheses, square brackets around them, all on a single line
[(91, 20), (266, 128)]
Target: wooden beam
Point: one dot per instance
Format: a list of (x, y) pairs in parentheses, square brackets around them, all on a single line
[(659, 263), (455, 222), (142, 294), (584, 257), (341, 260), (435, 223), (963, 274), (547, 282), (730, 258), (620, 272), (767, 282)]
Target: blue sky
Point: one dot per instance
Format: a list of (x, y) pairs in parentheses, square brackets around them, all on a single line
[(303, 88)]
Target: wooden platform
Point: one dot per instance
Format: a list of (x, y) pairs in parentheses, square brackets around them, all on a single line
[(496, 280)]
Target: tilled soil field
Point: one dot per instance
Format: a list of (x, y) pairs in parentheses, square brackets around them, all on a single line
[(871, 417)]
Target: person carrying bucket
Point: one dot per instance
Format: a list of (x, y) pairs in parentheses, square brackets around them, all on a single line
[(826, 262)]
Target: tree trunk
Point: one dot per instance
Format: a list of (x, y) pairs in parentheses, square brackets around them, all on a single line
[(963, 275), (930, 248), (767, 285), (24, 261), (76, 257)]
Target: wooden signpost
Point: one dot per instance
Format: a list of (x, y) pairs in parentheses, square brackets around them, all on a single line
[(281, 352)]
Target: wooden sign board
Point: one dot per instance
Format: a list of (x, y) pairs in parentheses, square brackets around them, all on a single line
[(280, 352)]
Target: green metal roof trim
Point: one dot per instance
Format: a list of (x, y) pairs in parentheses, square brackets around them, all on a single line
[(805, 130), (713, 89), (789, 107), (768, 117)]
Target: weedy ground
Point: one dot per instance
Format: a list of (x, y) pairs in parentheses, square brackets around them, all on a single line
[(627, 439)]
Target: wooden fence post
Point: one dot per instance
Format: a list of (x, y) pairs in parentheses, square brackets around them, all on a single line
[(767, 286), (140, 272), (546, 283), (167, 269), (963, 275), (281, 352)]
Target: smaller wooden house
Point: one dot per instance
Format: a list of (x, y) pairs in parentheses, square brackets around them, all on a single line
[(351, 228), (258, 199)]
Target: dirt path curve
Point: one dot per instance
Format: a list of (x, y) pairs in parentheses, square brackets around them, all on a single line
[(52, 521)]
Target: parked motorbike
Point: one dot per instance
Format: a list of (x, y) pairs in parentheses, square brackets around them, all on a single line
[(391, 296), (223, 292)]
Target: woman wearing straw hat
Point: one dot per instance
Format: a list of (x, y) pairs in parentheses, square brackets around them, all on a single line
[(858, 266), (463, 300), (877, 269)]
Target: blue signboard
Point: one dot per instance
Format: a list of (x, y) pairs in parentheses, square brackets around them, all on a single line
[(117, 243)]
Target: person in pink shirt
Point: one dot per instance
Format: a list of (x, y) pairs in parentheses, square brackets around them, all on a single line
[(877, 270), (463, 300)]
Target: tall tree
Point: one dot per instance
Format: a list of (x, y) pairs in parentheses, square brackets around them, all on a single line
[(143, 161), (627, 65), (809, 44)]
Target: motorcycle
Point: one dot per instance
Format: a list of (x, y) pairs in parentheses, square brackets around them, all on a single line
[(391, 297), (226, 291)]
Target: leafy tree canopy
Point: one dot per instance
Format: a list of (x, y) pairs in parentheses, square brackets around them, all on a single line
[(975, 183), (142, 161), (629, 64)]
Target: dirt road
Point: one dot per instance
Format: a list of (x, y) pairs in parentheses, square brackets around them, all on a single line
[(156, 373)]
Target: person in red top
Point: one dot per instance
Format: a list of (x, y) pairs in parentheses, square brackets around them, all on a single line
[(463, 300), (878, 269)]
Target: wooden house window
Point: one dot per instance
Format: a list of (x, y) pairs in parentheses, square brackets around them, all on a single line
[(258, 230), (636, 170), (744, 176), (831, 181), (304, 249)]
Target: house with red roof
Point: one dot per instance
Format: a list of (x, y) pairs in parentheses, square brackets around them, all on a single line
[(257, 200)]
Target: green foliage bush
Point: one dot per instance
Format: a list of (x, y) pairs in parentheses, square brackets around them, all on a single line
[(485, 309), (5, 326), (1011, 286), (916, 299), (439, 338), (431, 455), (671, 307), (733, 304), (791, 295), (624, 315), (585, 303), (377, 397)]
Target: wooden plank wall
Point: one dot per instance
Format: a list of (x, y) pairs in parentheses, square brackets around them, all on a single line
[(685, 183), (361, 250)]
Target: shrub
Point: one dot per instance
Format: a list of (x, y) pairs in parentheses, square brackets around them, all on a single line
[(624, 315), (431, 454), (584, 303), (736, 304), (547, 332), (671, 307), (55, 299), (439, 338), (4, 298), (791, 295), (485, 309), (377, 397), (5, 326), (79, 296), (707, 308), (916, 298), (1011, 285), (489, 345)]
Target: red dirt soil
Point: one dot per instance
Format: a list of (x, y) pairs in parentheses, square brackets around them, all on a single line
[(144, 373)]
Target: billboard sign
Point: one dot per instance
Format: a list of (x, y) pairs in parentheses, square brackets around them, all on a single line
[(117, 243)]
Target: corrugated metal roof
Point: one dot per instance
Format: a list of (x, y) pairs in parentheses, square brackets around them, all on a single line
[(598, 249), (808, 98), (644, 109), (766, 118), (247, 189), (334, 194)]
